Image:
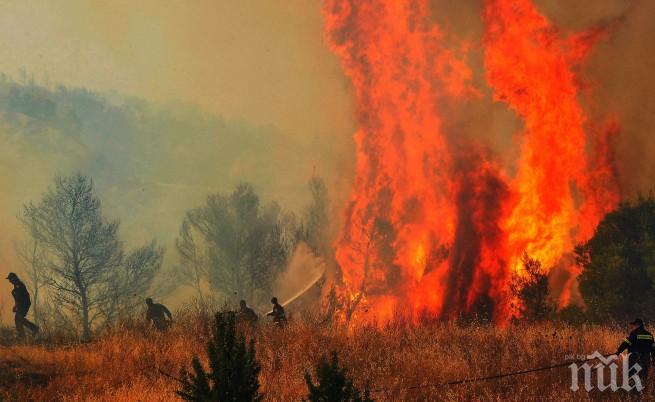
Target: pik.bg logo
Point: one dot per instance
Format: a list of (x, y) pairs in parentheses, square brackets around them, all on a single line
[(630, 379)]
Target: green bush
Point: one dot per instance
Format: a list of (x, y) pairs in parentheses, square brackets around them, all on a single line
[(334, 385), (233, 368), (618, 277)]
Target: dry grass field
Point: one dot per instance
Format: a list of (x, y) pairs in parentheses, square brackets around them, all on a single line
[(129, 362)]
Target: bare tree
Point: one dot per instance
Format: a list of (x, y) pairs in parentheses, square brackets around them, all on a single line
[(86, 268), (55, 320), (315, 227), (193, 268), (371, 248), (132, 281)]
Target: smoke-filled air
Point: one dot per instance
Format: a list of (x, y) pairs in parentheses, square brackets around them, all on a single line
[(315, 195)]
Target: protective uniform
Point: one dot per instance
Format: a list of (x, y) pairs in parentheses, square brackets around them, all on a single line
[(279, 317), (22, 305), (246, 314), (640, 345), (157, 313)]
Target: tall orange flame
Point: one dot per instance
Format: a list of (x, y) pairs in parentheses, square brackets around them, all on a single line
[(530, 67), (434, 226)]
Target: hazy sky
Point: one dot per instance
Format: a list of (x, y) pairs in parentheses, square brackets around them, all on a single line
[(257, 60)]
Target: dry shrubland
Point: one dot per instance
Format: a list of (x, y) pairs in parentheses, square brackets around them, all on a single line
[(134, 363)]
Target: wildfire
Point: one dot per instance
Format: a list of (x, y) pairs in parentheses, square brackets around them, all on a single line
[(435, 226)]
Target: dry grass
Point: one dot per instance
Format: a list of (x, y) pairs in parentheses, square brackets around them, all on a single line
[(126, 364)]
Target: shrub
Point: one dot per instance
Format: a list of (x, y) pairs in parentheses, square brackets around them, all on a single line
[(233, 368), (334, 385), (532, 292)]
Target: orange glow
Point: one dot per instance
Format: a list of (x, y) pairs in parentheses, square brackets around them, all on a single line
[(434, 225), (531, 68)]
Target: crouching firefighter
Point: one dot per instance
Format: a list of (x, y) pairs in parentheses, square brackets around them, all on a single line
[(279, 318), (158, 314), (640, 346)]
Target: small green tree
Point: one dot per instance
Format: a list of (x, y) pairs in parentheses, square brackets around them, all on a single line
[(233, 367), (618, 276), (534, 302), (333, 384)]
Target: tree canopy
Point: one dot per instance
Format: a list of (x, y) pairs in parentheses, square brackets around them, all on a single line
[(240, 242), (85, 265), (618, 277)]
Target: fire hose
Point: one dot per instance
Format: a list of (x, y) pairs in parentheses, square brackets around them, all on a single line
[(463, 381), (301, 292), (491, 377)]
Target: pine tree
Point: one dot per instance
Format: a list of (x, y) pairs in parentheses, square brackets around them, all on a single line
[(333, 384), (233, 367)]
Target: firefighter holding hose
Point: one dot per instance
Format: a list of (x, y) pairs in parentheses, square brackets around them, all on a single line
[(641, 348), (279, 317)]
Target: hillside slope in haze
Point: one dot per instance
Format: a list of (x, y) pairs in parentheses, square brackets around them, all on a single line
[(150, 163)]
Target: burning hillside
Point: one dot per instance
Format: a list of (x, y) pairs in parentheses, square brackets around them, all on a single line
[(436, 223)]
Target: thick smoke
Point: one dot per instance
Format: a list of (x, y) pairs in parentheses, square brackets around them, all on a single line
[(303, 268)]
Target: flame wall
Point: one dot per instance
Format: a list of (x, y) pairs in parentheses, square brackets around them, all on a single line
[(436, 224)]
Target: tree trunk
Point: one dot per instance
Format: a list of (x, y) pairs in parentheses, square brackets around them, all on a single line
[(35, 278), (35, 304), (196, 272), (86, 330)]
